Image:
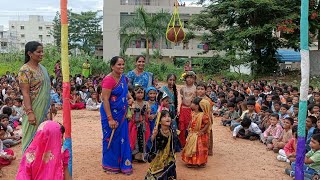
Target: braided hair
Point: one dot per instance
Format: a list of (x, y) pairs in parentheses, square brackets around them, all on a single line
[(175, 92)]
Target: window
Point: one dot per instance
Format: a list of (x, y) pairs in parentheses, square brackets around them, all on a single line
[(4, 44), (40, 27), (40, 37), (48, 28), (22, 36), (22, 27), (48, 36), (12, 26)]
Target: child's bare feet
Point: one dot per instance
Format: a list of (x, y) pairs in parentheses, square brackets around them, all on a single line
[(11, 158), (269, 147)]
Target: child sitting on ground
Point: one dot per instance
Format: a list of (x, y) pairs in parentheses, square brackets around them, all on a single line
[(93, 102), (317, 129), (6, 155), (17, 107), (250, 113), (224, 107), (247, 130), (310, 127), (288, 153), (9, 139), (265, 123), (230, 115), (75, 100), (283, 113), (312, 159), (161, 155), (286, 135), (273, 132)]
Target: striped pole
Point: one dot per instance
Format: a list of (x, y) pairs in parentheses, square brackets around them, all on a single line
[(66, 80), (305, 70)]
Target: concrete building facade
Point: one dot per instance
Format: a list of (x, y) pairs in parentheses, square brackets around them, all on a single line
[(116, 12), (35, 29)]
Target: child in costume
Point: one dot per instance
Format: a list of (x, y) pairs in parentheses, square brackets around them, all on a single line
[(162, 154)]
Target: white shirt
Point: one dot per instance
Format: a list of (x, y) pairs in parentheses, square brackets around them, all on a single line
[(252, 128)]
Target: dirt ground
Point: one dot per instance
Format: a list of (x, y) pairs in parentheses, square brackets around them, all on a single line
[(232, 159)]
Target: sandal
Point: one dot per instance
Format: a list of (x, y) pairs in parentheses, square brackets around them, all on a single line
[(202, 166), (191, 166)]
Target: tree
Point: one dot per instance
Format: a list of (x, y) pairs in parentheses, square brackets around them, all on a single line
[(152, 27), (84, 30), (56, 31), (247, 26)]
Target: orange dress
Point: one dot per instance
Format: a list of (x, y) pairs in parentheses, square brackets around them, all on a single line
[(196, 150)]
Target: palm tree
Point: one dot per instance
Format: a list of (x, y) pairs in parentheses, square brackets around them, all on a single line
[(150, 26)]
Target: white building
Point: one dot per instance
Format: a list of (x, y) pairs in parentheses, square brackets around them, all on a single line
[(118, 11), (3, 40), (35, 29)]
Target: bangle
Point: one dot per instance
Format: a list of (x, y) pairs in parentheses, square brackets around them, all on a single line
[(29, 111)]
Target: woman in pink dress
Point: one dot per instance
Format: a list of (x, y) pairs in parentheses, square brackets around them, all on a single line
[(44, 158)]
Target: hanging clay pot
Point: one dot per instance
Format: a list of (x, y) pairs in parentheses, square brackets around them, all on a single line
[(175, 34)]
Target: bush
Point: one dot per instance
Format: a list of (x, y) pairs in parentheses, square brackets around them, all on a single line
[(236, 76), (51, 56)]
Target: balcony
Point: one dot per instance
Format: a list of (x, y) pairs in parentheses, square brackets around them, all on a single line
[(140, 2), (176, 52), (154, 6)]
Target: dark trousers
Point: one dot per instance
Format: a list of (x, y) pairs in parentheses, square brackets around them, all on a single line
[(248, 135)]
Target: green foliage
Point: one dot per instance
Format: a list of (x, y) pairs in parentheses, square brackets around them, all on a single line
[(236, 76), (84, 30), (246, 26), (161, 70), (51, 56), (151, 27)]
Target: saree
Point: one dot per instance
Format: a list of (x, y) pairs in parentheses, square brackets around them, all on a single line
[(44, 158), (161, 158), (40, 102), (86, 70), (145, 79), (118, 157), (195, 151)]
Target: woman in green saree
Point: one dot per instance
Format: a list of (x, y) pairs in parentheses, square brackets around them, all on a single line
[(86, 69), (34, 83)]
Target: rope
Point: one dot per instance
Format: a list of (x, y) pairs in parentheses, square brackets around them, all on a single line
[(171, 25)]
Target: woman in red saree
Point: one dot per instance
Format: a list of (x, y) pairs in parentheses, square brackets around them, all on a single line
[(195, 153)]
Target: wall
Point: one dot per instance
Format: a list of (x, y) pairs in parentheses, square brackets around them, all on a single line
[(315, 63)]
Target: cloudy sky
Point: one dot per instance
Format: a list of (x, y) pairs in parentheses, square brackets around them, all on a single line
[(20, 9)]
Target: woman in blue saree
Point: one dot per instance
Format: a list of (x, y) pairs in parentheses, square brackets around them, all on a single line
[(117, 158), (140, 77)]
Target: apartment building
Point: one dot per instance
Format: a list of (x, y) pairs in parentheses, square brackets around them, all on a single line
[(34, 29), (3, 40), (117, 12)]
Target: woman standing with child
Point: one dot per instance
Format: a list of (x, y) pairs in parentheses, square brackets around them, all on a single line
[(116, 158), (35, 87)]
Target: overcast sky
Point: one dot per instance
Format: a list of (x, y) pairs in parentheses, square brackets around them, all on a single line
[(20, 9)]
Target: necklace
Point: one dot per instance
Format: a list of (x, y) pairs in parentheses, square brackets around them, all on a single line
[(165, 133)]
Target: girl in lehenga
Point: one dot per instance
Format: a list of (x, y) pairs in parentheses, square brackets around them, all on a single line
[(139, 130), (161, 155), (195, 153)]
